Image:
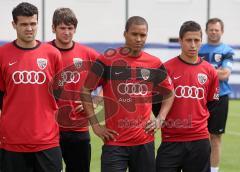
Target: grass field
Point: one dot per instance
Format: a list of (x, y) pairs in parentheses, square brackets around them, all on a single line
[(230, 161)]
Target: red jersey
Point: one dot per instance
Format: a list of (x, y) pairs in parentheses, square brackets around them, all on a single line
[(77, 61), (194, 85), (128, 83), (27, 122)]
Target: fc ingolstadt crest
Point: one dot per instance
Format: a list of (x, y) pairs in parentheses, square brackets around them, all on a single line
[(42, 63), (145, 73), (202, 78), (77, 62)]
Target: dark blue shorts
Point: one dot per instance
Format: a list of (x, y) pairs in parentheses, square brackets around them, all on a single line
[(76, 151), (191, 156), (218, 116), (42, 161), (139, 158)]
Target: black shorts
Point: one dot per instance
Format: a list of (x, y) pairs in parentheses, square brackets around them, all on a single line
[(218, 116), (191, 156), (139, 158), (76, 151), (0, 158), (42, 161)]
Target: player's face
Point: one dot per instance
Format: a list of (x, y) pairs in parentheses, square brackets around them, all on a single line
[(26, 28), (214, 32), (135, 38), (190, 44), (64, 34)]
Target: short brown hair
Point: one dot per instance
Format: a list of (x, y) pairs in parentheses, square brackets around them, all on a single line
[(215, 20), (64, 15), (189, 26)]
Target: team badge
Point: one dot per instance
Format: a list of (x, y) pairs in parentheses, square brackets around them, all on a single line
[(42, 63), (77, 62), (218, 57), (202, 78), (145, 74)]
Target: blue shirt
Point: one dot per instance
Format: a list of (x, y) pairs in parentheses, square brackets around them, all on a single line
[(220, 55)]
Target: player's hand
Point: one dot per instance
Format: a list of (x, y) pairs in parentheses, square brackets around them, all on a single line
[(104, 133), (79, 107), (150, 127)]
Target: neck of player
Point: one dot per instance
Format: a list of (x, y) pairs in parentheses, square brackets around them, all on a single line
[(211, 42), (26, 44), (62, 45), (192, 60)]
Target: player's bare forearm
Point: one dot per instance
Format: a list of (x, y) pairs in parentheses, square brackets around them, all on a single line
[(151, 124), (166, 106), (87, 103), (101, 131), (223, 73), (97, 99)]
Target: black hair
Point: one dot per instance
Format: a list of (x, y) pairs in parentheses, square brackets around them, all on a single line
[(137, 20), (24, 9), (189, 26)]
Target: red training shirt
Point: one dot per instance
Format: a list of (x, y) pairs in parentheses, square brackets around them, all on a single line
[(27, 122)]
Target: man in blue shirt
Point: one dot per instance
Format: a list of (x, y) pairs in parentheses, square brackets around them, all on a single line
[(220, 56)]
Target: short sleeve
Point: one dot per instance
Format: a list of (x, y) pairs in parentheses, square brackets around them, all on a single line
[(95, 75), (2, 85), (213, 93)]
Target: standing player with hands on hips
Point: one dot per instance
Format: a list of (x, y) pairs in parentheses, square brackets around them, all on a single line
[(29, 134), (185, 139), (128, 76)]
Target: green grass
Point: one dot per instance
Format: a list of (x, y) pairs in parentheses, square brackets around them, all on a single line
[(230, 161)]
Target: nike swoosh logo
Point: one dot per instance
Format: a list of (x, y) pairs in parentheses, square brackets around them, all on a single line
[(117, 73), (10, 64), (177, 77)]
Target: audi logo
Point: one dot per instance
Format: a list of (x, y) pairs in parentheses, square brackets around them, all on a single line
[(192, 92), (70, 77), (28, 77), (132, 89)]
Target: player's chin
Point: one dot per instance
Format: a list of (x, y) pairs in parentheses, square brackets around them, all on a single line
[(137, 48), (193, 55), (29, 39), (66, 41)]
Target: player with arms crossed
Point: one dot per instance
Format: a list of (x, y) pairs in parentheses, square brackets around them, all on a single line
[(128, 76), (77, 59), (220, 56), (29, 133), (185, 139)]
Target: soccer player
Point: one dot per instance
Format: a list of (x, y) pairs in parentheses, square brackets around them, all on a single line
[(220, 56), (29, 133), (128, 76), (77, 58), (185, 139)]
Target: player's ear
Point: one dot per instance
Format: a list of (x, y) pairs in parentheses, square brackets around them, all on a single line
[(53, 29), (180, 41), (14, 24), (125, 33)]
